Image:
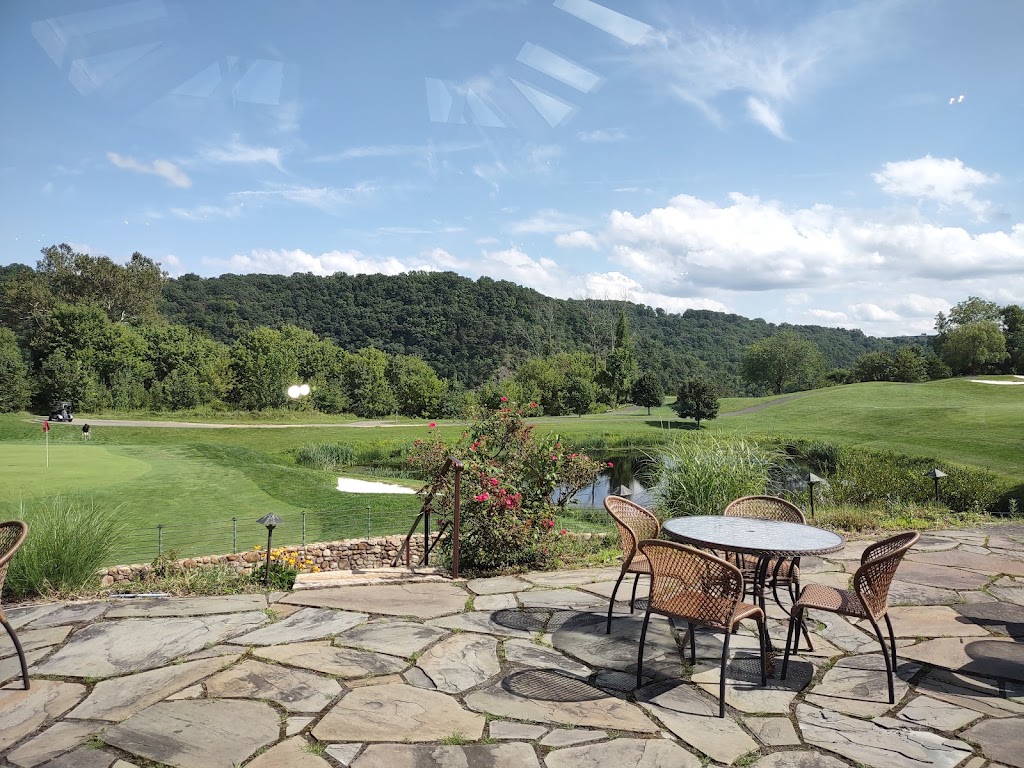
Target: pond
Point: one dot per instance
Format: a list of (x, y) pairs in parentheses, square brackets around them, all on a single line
[(628, 471)]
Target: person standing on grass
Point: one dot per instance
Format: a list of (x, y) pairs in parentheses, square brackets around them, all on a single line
[(85, 432)]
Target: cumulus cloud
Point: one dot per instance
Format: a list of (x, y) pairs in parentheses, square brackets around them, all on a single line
[(543, 274), (578, 239), (947, 181), (617, 286), (165, 169), (284, 262), (756, 245), (872, 312), (828, 316)]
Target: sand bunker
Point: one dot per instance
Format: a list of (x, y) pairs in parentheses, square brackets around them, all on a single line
[(1020, 380), (348, 485)]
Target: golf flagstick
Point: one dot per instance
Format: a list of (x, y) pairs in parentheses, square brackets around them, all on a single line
[(46, 432)]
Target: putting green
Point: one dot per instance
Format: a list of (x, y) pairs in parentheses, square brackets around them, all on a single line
[(73, 468)]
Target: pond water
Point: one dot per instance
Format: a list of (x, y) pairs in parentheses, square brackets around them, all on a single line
[(627, 471)]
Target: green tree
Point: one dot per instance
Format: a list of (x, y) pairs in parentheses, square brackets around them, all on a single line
[(909, 365), (370, 395), (873, 366), (697, 399), (1013, 331), (620, 367), (783, 362), (417, 388), (15, 386), (647, 391), (579, 390), (263, 366), (973, 348)]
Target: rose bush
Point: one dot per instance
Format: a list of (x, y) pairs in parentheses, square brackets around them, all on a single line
[(509, 484)]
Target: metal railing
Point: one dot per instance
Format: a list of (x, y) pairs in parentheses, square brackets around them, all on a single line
[(234, 535), (451, 464)]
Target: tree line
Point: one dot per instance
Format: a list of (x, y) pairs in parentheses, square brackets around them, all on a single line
[(124, 336)]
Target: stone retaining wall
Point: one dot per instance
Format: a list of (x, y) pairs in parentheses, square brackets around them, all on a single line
[(327, 556)]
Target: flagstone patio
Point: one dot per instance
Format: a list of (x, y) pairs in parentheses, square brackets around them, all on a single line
[(517, 672)]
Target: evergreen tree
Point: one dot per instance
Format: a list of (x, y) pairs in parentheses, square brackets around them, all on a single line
[(697, 399), (647, 391), (620, 367)]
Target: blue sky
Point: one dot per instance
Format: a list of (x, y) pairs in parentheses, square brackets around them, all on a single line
[(837, 163)]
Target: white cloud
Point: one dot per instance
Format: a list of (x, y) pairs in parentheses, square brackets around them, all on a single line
[(600, 136), (617, 286), (284, 262), (828, 316), (754, 245), (872, 312), (209, 212), (238, 153), (543, 274), (915, 305), (763, 113), (947, 181), (545, 222), (165, 169), (577, 239), (327, 199), (443, 258)]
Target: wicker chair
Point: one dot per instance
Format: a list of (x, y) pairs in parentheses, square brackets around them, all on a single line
[(869, 598), (703, 590), (635, 524), (12, 536)]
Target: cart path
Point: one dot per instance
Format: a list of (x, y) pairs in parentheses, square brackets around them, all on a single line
[(207, 425), (762, 406)]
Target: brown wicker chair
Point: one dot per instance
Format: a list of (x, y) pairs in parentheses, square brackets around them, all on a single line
[(783, 572), (703, 590), (869, 598), (12, 536), (635, 523)]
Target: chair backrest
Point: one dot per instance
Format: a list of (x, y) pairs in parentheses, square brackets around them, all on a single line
[(692, 584), (12, 536), (634, 523), (879, 562), (765, 508)]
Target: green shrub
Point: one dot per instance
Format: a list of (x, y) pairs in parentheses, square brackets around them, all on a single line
[(69, 538), (702, 473), (326, 456)]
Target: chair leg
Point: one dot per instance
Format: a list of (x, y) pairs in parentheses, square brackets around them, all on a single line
[(888, 661), (762, 640), (721, 683), (803, 622), (892, 640), (640, 654), (794, 620), (611, 603), (21, 653), (632, 600), (690, 628)]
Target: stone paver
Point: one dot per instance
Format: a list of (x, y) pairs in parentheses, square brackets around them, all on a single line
[(22, 712), (397, 638), (54, 741), (992, 657), (202, 733), (307, 624), (119, 698), (187, 606), (424, 601), (604, 589), (877, 746), (857, 685), (693, 717), (544, 696), (397, 713), (168, 678), (773, 731), (321, 656), (293, 689), (1001, 740), (624, 753), (497, 585), (291, 753), (461, 662), (121, 647), (428, 756)]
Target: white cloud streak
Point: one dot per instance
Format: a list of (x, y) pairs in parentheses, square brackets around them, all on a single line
[(165, 169)]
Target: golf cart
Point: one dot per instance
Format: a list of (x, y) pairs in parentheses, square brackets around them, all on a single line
[(62, 411)]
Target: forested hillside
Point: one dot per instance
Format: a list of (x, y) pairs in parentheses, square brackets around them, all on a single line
[(482, 330)]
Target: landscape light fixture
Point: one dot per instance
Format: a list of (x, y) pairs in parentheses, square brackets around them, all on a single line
[(813, 480), (295, 391), (622, 490), (935, 474), (271, 521)]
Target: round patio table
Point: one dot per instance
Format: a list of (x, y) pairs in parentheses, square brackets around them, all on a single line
[(766, 539)]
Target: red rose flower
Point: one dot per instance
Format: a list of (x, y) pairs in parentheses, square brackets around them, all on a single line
[(504, 399), (611, 464), (433, 424), (483, 496)]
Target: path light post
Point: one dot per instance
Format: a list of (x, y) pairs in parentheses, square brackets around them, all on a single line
[(271, 521), (813, 480), (935, 474), (623, 491)]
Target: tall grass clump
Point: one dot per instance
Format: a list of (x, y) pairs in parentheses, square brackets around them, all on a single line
[(701, 474), (69, 539), (326, 456)]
